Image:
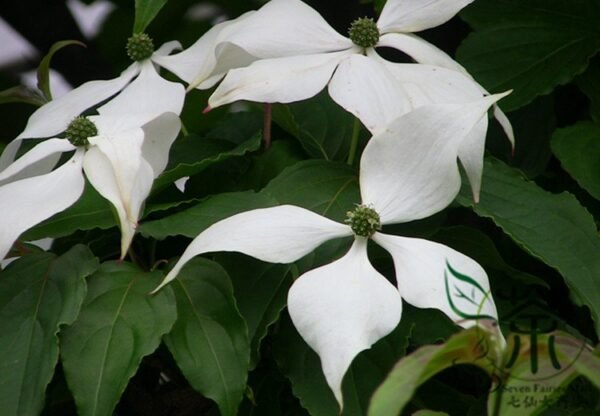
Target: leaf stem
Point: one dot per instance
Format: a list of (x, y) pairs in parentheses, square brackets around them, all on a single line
[(354, 141)]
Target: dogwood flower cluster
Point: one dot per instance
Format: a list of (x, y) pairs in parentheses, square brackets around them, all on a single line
[(423, 118)]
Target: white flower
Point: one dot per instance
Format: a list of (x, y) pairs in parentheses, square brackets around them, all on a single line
[(137, 98), (407, 172), (298, 54), (120, 161)]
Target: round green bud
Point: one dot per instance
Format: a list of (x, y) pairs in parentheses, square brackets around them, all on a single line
[(363, 220), (363, 32), (79, 130), (140, 47)]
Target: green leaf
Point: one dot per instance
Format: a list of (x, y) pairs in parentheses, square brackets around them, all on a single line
[(473, 346), (578, 149), (209, 340), (261, 294), (327, 188), (21, 94), (550, 41), (145, 12), (38, 294), (196, 219), (552, 227), (89, 212), (321, 126), (43, 72), (589, 84), (302, 366), (119, 324), (237, 135)]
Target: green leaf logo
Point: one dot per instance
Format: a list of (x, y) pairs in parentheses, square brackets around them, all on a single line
[(460, 286)]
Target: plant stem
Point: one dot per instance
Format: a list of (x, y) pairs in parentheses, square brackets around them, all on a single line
[(354, 142), (267, 118)]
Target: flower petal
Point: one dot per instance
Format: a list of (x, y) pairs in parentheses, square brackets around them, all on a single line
[(365, 88), (432, 275), (420, 50), (115, 167), (281, 80), (343, 308), (417, 15), (280, 234), (283, 28), (165, 49), (54, 117), (409, 171), (29, 201), (159, 135), (470, 153), (147, 97), (426, 53), (196, 63), (48, 149)]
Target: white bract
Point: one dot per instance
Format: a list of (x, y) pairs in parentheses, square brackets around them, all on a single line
[(296, 54), (407, 172), (120, 161), (138, 98)]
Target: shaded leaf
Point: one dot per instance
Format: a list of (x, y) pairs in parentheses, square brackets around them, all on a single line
[(327, 188), (554, 228), (261, 294), (196, 219), (209, 340), (38, 294), (237, 135), (550, 40), (578, 149), (321, 126), (589, 84), (118, 325)]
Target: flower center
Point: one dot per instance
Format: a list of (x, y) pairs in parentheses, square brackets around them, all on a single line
[(80, 129), (140, 47), (363, 32), (363, 220)]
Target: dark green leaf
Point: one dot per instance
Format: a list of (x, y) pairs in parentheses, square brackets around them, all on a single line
[(323, 128), (578, 149), (553, 228), (589, 83), (237, 135), (529, 46), (261, 293), (38, 294), (89, 212), (43, 72), (209, 340), (199, 217), (145, 12), (328, 188), (119, 324)]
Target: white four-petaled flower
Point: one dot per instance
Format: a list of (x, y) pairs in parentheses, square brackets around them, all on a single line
[(286, 52), (407, 172)]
